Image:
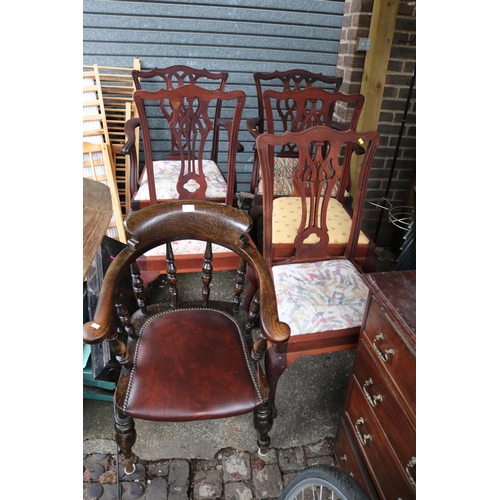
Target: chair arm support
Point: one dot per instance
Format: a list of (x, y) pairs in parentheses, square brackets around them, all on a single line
[(129, 130), (339, 126), (358, 149), (103, 324), (253, 126), (130, 149), (272, 328)]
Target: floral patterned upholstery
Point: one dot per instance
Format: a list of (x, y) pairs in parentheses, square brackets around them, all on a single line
[(287, 213), (166, 174), (319, 296), (186, 247), (283, 176)]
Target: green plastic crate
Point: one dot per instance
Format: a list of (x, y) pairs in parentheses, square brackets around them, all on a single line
[(94, 389)]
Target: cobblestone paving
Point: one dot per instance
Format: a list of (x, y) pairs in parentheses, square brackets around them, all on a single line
[(230, 475)]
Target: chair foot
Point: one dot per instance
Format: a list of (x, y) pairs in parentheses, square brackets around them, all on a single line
[(259, 451), (125, 438), (263, 422), (131, 470)]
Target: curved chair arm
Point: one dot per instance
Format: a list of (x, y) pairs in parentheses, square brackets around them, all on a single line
[(164, 222), (358, 149), (272, 328), (130, 126), (102, 326)]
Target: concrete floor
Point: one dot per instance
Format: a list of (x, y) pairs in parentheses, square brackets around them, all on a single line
[(309, 399)]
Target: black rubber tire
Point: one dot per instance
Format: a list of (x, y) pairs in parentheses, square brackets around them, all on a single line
[(333, 478)]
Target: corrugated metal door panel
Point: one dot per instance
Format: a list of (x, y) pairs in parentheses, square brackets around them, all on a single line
[(238, 36)]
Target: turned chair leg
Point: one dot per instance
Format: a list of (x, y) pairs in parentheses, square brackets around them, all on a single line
[(275, 364), (263, 422), (125, 438)]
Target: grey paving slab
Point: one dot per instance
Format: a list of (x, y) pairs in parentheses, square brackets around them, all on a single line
[(208, 484), (236, 466), (157, 489), (268, 482)]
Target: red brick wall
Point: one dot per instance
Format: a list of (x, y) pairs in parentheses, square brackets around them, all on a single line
[(356, 24)]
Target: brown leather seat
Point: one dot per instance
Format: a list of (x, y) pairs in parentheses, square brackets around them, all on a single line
[(178, 377)]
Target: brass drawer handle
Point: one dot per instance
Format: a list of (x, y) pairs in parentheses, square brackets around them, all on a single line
[(363, 438), (384, 356), (411, 463), (371, 399)]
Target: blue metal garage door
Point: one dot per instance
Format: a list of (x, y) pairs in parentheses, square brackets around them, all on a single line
[(237, 36)]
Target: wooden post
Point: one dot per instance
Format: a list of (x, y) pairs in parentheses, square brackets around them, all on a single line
[(381, 32)]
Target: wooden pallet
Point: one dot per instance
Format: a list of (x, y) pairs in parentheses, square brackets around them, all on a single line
[(97, 159), (116, 90), (97, 166)]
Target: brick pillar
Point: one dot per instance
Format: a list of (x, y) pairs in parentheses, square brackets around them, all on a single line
[(350, 63)]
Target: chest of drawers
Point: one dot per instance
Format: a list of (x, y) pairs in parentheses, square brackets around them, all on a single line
[(376, 439)]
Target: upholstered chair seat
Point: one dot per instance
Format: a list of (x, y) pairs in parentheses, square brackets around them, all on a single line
[(319, 296), (171, 379), (287, 214), (166, 174)]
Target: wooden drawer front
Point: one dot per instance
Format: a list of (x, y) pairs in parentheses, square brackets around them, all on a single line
[(390, 414), (392, 353), (347, 459), (387, 474)]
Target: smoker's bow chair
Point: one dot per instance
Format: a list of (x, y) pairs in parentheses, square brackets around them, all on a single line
[(320, 294), (192, 360), (180, 127)]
